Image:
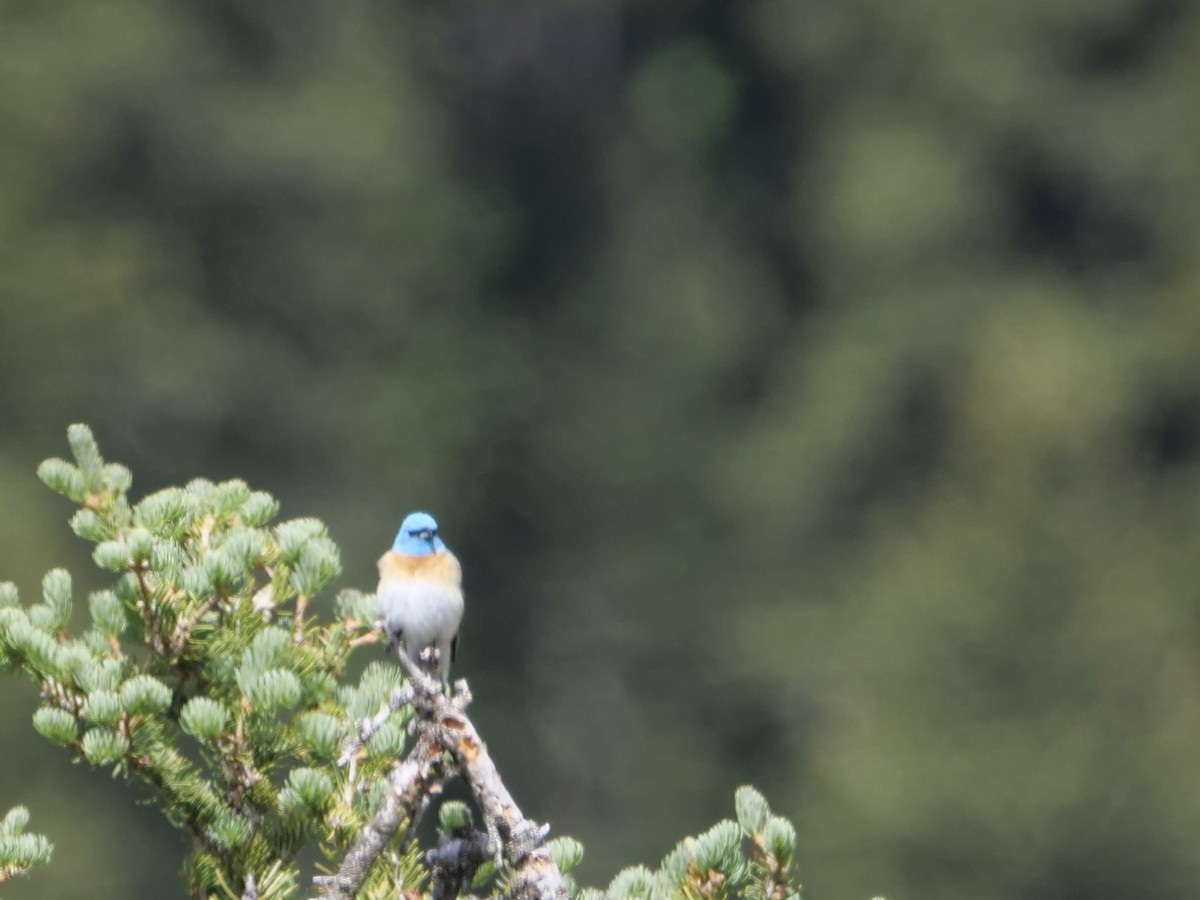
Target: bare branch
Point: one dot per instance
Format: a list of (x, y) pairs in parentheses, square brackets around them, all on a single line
[(298, 618), (535, 875), (183, 628), (442, 726)]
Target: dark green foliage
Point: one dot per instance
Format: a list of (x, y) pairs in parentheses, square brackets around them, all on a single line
[(810, 388)]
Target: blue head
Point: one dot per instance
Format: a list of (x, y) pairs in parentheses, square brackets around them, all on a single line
[(418, 536)]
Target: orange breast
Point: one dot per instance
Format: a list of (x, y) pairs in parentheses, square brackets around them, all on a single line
[(440, 566)]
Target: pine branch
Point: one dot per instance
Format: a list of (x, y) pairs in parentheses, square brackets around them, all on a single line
[(195, 677), (20, 851)]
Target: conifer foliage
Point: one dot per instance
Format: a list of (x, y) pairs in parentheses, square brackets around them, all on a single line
[(204, 674), (19, 852)]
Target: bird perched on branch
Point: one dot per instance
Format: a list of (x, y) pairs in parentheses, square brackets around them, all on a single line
[(420, 591)]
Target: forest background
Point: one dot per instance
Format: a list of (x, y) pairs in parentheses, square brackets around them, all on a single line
[(811, 389)]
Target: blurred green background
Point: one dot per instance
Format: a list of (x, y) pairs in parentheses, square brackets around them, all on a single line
[(811, 389)]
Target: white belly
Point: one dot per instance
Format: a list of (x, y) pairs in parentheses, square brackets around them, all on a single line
[(425, 612)]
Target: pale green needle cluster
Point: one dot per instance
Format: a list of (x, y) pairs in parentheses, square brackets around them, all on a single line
[(19, 851), (750, 858), (197, 673)]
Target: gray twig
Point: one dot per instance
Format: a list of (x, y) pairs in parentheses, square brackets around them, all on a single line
[(442, 726), (523, 842)]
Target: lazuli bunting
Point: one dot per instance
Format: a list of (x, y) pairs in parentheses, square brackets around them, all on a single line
[(420, 591)]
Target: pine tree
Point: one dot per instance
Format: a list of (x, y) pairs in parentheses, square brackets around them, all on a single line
[(202, 675)]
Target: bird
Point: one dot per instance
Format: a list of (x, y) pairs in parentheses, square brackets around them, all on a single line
[(420, 591)]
